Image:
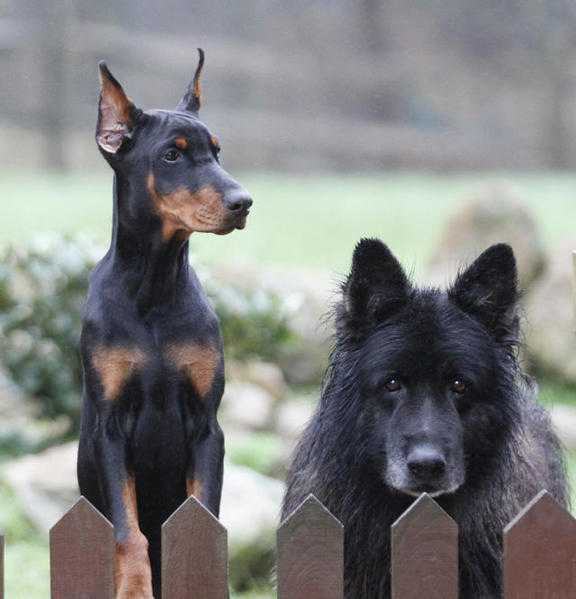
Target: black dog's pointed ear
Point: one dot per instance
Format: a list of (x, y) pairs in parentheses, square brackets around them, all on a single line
[(488, 289), (117, 114), (192, 99), (377, 285)]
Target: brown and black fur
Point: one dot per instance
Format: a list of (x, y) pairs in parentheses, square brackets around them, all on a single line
[(151, 345), (425, 394)]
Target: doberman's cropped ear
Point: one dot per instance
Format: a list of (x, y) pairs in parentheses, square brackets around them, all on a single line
[(117, 114), (488, 290), (377, 285), (192, 98)]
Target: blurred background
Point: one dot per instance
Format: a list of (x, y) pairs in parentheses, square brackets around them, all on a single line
[(440, 127)]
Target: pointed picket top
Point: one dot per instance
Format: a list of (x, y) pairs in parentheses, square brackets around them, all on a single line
[(310, 553), (82, 554), (194, 554), (424, 552), (540, 551)]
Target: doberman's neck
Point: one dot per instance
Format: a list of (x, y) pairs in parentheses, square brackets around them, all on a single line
[(153, 269)]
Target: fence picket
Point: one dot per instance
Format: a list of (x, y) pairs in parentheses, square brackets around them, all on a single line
[(311, 554), (424, 558), (194, 554), (82, 554), (540, 552)]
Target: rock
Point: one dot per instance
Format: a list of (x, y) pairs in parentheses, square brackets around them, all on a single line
[(45, 483), (305, 362), (494, 215), (564, 421), (266, 375), (294, 415), (250, 506), (308, 296), (250, 511), (246, 405), (549, 331), (20, 426)]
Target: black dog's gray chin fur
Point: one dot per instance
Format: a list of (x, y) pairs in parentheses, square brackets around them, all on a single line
[(398, 479), (353, 456)]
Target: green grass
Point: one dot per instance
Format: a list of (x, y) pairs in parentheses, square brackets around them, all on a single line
[(27, 569), (297, 221)]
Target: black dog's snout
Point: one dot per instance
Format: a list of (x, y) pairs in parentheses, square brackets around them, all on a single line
[(426, 464), (238, 201)]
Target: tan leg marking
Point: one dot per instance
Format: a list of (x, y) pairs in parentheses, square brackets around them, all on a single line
[(187, 212), (198, 363), (115, 366), (194, 487), (133, 573)]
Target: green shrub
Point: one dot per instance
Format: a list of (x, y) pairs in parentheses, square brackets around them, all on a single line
[(44, 287), (254, 322), (42, 290)]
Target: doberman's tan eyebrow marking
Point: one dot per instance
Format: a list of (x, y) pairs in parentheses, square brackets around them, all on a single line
[(181, 143)]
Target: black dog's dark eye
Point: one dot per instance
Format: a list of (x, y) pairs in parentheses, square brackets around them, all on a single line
[(393, 385), (458, 386), (172, 155)]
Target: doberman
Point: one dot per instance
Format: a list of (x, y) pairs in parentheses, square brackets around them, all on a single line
[(151, 344)]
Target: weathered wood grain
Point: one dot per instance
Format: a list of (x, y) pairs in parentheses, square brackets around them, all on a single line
[(82, 554), (424, 553), (311, 554), (540, 552), (194, 554)]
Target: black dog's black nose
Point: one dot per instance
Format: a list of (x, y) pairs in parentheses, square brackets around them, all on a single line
[(238, 201), (426, 464)]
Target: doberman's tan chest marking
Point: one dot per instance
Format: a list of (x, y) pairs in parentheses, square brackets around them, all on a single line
[(115, 366), (197, 362)]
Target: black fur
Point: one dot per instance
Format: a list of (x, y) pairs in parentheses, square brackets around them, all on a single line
[(151, 346), (425, 393)]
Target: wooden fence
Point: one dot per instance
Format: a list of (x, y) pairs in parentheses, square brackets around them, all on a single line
[(539, 554)]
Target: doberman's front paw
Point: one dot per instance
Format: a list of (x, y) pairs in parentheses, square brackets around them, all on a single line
[(133, 574)]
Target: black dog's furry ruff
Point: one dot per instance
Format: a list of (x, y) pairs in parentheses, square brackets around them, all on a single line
[(408, 360)]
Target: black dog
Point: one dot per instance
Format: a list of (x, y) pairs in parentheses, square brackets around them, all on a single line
[(151, 345), (425, 394)]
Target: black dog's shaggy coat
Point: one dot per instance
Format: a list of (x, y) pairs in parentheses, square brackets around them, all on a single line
[(396, 346)]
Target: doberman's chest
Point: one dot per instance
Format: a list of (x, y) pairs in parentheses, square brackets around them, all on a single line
[(158, 358), (178, 362)]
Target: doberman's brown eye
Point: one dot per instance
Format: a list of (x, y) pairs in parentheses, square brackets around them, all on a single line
[(172, 155), (392, 385), (458, 386)]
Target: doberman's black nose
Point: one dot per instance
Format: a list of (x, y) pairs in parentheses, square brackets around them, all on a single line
[(238, 201), (426, 464)]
